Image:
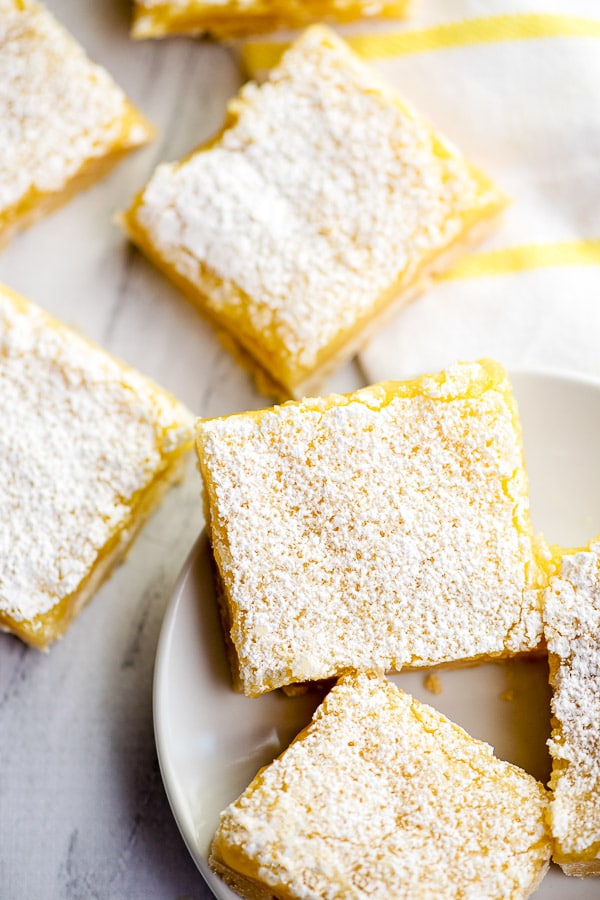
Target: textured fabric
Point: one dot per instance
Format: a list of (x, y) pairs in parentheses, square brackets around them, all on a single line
[(514, 84)]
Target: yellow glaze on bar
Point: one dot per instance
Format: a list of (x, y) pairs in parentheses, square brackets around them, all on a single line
[(63, 120), (379, 530), (229, 19), (572, 632), (87, 448), (324, 204), (381, 796)]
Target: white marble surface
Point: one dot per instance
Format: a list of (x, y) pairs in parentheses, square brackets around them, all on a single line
[(83, 812)]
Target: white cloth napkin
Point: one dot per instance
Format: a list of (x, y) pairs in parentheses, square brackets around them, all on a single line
[(516, 85)]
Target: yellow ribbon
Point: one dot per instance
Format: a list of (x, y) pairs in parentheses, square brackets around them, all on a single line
[(260, 55), (526, 257)]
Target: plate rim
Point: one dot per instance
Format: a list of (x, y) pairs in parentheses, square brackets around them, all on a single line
[(166, 633), (158, 687)]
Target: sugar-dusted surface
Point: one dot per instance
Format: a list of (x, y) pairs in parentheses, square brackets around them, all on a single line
[(323, 191), (57, 109), (572, 630), (384, 797), (382, 529), (81, 436)]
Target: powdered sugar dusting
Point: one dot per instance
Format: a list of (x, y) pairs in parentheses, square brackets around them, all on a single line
[(57, 109), (383, 797), (386, 528), (572, 629), (81, 434), (320, 195)]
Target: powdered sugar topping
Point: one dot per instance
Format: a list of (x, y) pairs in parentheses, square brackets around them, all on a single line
[(57, 109), (311, 204), (81, 434), (572, 629), (378, 530), (384, 797)]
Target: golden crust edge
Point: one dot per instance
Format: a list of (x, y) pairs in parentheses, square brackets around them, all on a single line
[(36, 205), (48, 627), (163, 22)]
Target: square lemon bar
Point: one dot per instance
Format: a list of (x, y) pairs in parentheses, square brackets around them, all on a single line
[(234, 18), (324, 202), (572, 630), (87, 447), (63, 121), (383, 797), (383, 529)]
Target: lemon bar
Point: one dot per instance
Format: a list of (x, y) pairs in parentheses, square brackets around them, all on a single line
[(235, 18), (324, 202), (63, 121), (383, 797), (572, 630), (87, 447), (383, 529)]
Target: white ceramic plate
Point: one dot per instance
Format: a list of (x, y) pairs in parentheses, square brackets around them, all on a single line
[(211, 741)]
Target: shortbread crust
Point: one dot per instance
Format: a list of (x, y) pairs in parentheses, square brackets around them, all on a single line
[(87, 448), (383, 797), (324, 202), (384, 529), (235, 18), (572, 631), (63, 120)]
